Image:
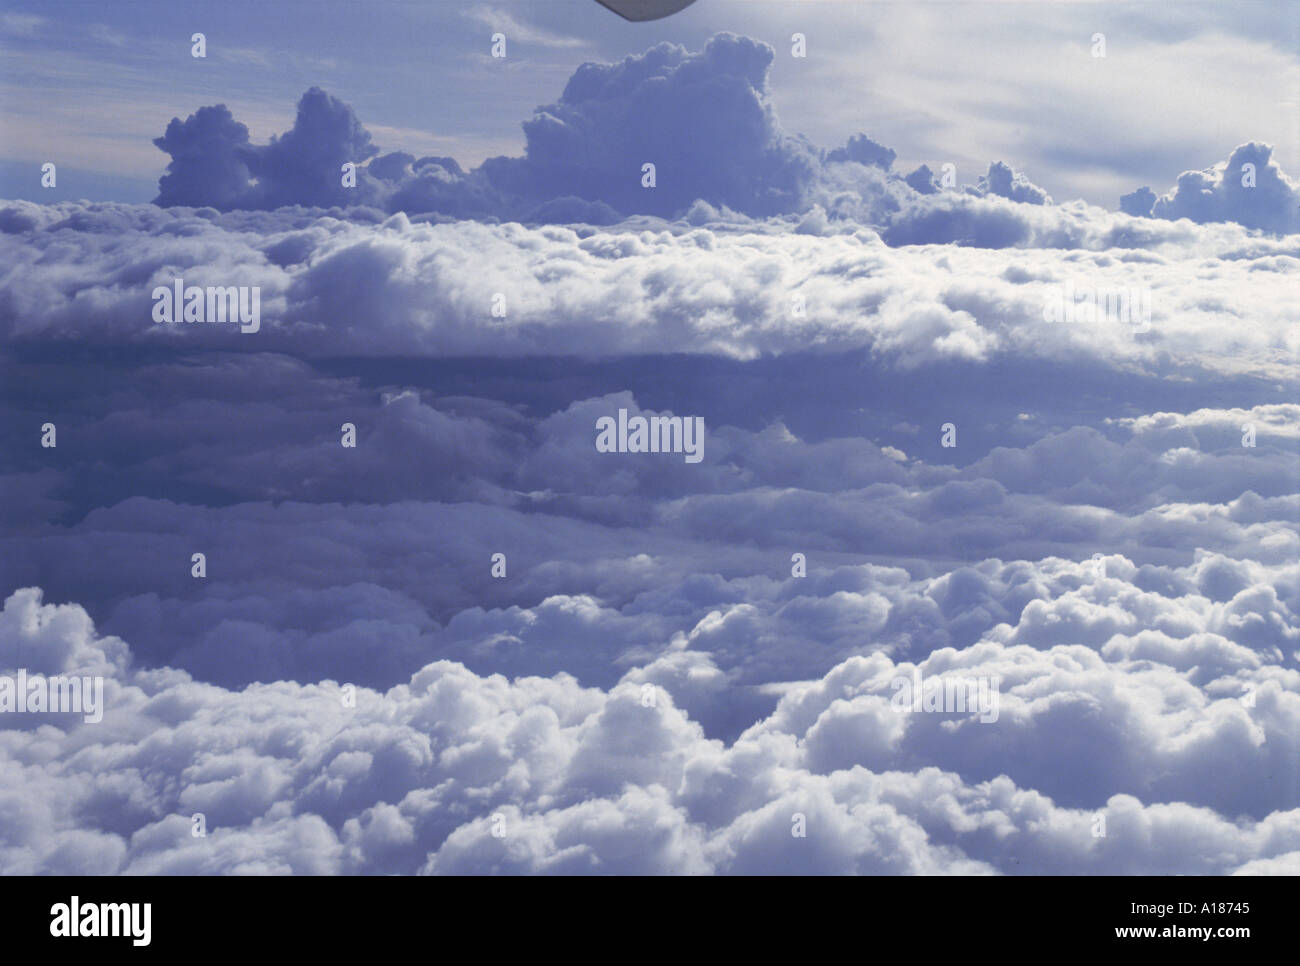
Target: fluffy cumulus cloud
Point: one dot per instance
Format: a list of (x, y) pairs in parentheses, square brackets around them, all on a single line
[(214, 163), (652, 687), (1004, 182), (1249, 189), (1035, 462), (385, 285), (452, 772), (702, 120)]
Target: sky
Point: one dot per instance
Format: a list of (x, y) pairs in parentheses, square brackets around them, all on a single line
[(370, 585), (90, 85)]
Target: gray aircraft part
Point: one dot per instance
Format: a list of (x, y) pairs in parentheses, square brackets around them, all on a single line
[(645, 9)]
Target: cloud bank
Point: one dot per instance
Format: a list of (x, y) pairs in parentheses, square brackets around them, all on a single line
[(704, 122), (953, 434), (451, 772)]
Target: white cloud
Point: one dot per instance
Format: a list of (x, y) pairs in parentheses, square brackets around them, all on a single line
[(453, 772), (519, 30)]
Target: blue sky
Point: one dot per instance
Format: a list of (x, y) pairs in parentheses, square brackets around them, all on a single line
[(89, 85)]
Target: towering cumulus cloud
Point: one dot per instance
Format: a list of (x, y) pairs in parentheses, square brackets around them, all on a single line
[(213, 163), (704, 122), (1249, 188), (702, 119)]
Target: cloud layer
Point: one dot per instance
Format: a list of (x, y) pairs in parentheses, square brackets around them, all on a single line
[(452, 772), (953, 433), (384, 285), (657, 134)]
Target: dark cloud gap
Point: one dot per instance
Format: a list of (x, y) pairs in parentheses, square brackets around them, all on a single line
[(140, 465)]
